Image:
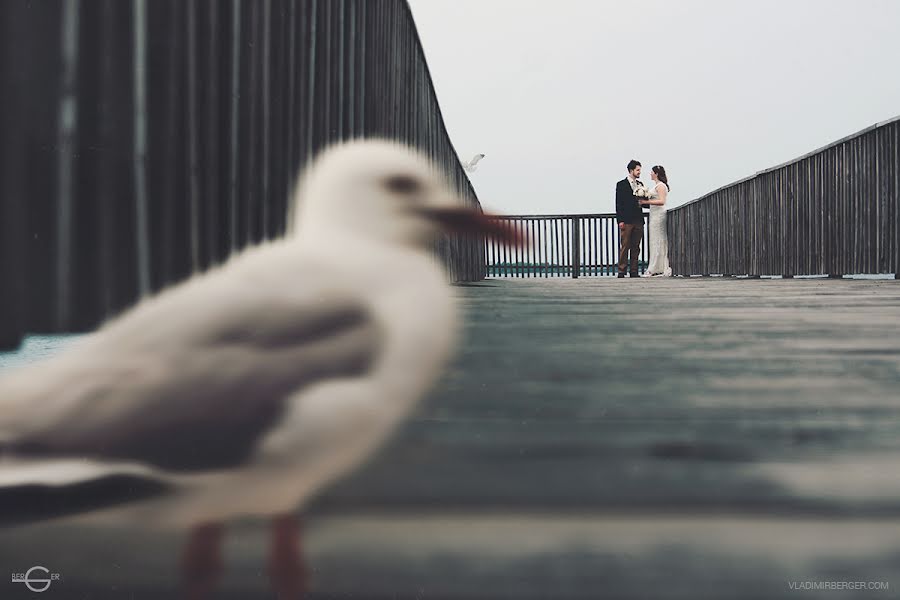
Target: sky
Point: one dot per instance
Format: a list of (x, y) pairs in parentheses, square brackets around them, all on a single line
[(560, 95)]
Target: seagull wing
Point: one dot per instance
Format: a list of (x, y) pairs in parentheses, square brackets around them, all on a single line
[(203, 397)]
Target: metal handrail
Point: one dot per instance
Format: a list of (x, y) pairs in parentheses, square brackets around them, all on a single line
[(560, 245)]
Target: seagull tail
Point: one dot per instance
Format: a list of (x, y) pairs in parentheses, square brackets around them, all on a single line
[(33, 491)]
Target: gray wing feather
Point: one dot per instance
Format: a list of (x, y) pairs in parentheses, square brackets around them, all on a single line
[(205, 406)]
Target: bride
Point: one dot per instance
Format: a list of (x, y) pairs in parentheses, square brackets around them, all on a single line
[(659, 243)]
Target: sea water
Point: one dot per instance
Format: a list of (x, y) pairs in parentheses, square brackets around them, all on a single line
[(35, 348)]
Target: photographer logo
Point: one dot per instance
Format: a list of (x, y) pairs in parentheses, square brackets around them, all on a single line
[(36, 579)]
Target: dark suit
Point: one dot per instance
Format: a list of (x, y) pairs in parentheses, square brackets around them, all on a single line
[(629, 212)]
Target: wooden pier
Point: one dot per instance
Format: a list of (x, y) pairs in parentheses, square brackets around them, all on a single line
[(599, 438), (692, 437)]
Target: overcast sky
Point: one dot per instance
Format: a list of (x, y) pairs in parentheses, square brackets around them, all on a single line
[(560, 95)]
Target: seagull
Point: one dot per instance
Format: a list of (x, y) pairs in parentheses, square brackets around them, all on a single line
[(472, 165), (248, 388)]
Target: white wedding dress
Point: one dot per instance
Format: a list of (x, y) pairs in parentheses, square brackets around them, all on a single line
[(659, 242)]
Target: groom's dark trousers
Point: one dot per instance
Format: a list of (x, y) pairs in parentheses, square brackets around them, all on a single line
[(629, 212), (630, 243)]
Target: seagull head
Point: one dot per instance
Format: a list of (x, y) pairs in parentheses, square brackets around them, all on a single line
[(384, 191)]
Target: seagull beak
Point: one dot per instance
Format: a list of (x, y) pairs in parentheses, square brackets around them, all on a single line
[(470, 220)]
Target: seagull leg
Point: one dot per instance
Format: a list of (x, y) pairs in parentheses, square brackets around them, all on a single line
[(202, 561), (286, 569)]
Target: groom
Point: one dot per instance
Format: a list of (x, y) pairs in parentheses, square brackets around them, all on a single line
[(631, 220)]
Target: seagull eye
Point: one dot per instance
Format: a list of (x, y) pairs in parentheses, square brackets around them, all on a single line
[(402, 184)]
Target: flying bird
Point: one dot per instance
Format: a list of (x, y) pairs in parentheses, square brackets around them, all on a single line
[(246, 389), (472, 165)]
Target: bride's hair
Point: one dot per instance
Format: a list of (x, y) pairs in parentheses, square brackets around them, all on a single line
[(661, 173)]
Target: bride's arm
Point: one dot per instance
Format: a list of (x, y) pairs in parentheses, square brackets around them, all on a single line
[(663, 191)]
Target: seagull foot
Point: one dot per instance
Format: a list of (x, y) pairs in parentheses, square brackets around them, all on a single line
[(202, 561), (287, 572)]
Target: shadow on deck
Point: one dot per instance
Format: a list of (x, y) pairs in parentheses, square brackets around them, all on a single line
[(681, 438)]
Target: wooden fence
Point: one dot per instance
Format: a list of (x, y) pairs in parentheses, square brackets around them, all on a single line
[(560, 246), (144, 140), (833, 211)]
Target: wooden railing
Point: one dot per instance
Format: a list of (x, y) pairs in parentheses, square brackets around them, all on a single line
[(144, 140), (560, 246), (835, 211)]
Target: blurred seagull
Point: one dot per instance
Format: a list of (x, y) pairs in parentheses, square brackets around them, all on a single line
[(246, 389), (472, 165)]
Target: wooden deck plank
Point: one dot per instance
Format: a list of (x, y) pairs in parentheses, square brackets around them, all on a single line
[(699, 394)]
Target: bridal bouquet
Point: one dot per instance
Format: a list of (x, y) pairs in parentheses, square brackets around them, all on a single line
[(641, 192)]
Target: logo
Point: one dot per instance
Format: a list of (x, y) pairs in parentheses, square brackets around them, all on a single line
[(36, 579)]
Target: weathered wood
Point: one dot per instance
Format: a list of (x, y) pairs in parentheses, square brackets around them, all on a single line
[(671, 438), (14, 147), (832, 211)]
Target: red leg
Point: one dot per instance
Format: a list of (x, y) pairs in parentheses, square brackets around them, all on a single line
[(202, 561), (286, 569)]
